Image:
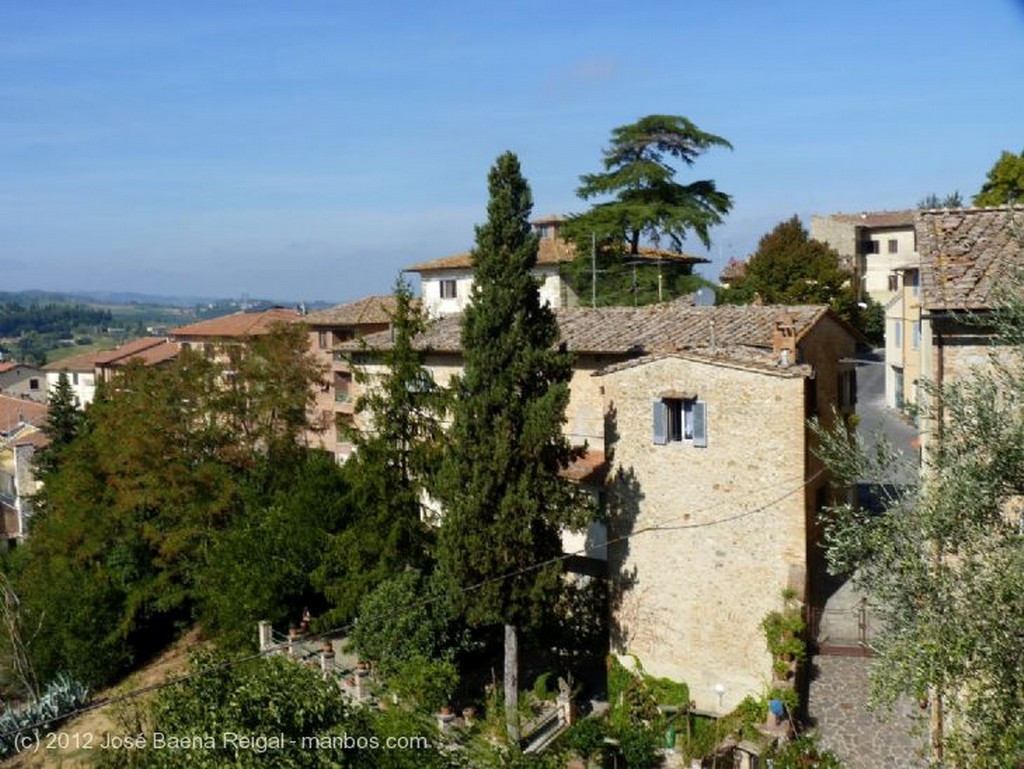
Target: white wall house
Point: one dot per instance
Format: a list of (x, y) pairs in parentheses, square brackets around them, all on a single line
[(873, 245)]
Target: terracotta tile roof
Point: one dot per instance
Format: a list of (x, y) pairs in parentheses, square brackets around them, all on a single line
[(84, 362), (237, 325), (966, 253), (551, 251), (586, 467), (370, 310), (128, 349), (638, 331), (5, 367), (16, 411), (31, 437), (879, 219), (158, 350)]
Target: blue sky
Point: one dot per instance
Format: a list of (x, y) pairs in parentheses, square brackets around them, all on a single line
[(310, 150)]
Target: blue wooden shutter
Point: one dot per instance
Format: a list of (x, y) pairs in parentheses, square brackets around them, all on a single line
[(659, 423), (700, 424)]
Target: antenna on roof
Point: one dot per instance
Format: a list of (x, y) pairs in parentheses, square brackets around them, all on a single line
[(705, 297)]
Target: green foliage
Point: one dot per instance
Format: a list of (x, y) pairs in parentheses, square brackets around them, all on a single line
[(783, 632), (791, 268), (586, 737), (64, 419), (279, 702), (394, 462), (54, 319), (60, 697), (634, 717), (504, 500), (931, 200), (261, 563), (1004, 184), (406, 627), (133, 513), (870, 320), (802, 752), (942, 564), (620, 283), (641, 747), (505, 503), (542, 687), (648, 204)]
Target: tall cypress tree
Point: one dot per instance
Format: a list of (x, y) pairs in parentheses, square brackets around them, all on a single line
[(504, 501), (64, 420)]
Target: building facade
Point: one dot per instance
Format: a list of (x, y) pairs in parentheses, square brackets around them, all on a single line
[(872, 245), (968, 258), (695, 423)]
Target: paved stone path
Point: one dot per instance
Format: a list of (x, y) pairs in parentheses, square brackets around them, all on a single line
[(861, 738)]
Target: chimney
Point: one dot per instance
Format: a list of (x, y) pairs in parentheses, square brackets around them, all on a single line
[(784, 339)]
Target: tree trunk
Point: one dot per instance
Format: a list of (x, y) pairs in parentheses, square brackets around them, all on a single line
[(512, 684)]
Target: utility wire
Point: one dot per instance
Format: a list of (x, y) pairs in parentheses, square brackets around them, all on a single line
[(344, 629)]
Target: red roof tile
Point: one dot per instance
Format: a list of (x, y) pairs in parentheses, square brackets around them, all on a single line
[(148, 355), (83, 362), (237, 325), (878, 219), (588, 466), (16, 411), (635, 331), (128, 349), (965, 254), (370, 310)]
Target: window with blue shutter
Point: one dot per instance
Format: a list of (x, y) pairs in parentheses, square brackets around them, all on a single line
[(700, 424), (678, 420), (660, 412)]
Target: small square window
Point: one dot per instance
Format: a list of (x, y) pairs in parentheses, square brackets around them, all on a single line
[(894, 246), (33, 384), (323, 339), (679, 420), (448, 289), (894, 281)]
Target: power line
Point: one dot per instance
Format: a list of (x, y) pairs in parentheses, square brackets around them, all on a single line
[(344, 629)]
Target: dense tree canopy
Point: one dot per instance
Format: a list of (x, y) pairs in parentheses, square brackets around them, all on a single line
[(167, 459), (791, 268), (1004, 184), (647, 203), (503, 498), (394, 462)]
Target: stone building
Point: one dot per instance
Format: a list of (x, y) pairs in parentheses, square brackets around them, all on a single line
[(695, 421), (335, 400), (871, 245), (21, 436), (967, 257)]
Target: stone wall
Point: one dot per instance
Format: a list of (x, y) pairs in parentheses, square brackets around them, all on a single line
[(691, 590)]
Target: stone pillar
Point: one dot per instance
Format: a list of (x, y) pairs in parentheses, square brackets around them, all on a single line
[(265, 634), (327, 658)]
